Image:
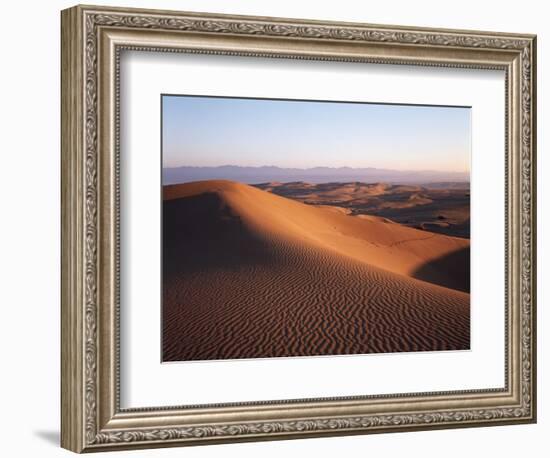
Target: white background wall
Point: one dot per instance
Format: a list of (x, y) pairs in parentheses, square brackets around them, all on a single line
[(29, 226)]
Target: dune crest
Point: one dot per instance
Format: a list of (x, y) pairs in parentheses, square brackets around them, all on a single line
[(368, 239)]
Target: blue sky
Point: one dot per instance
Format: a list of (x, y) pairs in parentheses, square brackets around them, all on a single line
[(213, 131)]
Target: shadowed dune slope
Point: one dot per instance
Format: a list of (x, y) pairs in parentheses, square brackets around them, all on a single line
[(250, 274)]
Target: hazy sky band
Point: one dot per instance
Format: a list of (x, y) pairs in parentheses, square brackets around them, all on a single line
[(214, 131)]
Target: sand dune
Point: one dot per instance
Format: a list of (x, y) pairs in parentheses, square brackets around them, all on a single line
[(433, 207), (251, 274)]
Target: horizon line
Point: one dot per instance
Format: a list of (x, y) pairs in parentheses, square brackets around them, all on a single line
[(315, 167), (389, 182)]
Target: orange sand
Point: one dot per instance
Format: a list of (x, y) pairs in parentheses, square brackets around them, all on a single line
[(251, 274)]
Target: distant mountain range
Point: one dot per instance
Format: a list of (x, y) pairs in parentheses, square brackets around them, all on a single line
[(255, 175)]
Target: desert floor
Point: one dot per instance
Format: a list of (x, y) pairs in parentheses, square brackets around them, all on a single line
[(248, 273), (436, 207)]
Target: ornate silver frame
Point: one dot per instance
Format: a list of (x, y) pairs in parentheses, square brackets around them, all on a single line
[(92, 38)]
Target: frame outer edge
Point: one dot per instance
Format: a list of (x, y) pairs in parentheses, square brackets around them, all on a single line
[(533, 253), (81, 428), (72, 250)]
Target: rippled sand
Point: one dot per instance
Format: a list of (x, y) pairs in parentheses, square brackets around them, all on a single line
[(248, 274)]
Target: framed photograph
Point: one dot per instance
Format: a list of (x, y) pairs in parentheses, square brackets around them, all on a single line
[(278, 228)]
